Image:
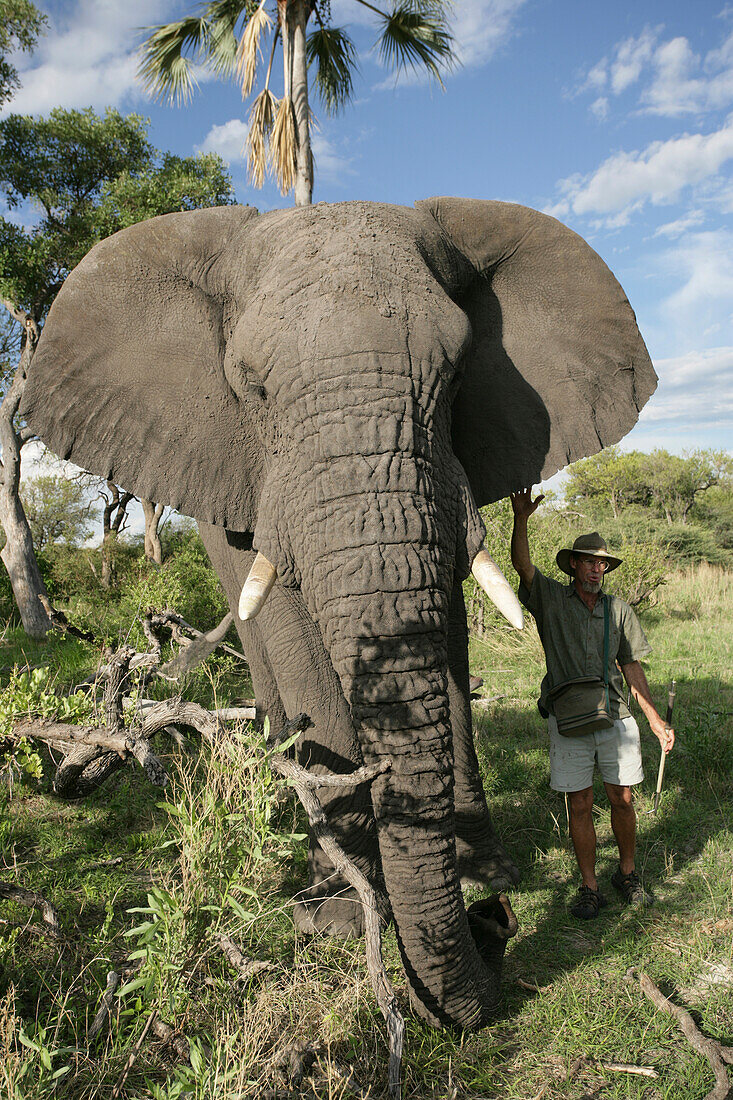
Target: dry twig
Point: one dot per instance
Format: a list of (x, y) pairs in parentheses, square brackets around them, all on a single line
[(131, 1058)]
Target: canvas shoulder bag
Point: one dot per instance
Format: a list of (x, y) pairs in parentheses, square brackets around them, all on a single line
[(583, 705)]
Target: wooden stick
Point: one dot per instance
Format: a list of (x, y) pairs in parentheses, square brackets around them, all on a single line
[(622, 1067), (133, 1055), (246, 968)]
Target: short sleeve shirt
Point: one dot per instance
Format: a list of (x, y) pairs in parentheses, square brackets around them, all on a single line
[(572, 637)]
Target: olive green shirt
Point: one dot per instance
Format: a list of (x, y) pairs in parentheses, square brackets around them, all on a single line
[(572, 637)]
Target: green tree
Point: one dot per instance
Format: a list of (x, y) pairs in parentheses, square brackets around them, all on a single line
[(608, 477), (58, 510), (87, 176), (20, 25), (226, 36)]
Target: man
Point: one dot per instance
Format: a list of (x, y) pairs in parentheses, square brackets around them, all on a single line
[(570, 620)]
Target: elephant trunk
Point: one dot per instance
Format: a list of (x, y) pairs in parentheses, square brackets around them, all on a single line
[(382, 603)]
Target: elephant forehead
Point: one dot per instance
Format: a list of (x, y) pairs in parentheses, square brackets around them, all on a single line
[(352, 313)]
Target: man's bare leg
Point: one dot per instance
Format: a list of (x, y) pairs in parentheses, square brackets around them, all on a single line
[(623, 823), (583, 834)]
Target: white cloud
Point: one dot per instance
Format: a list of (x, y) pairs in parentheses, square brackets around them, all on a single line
[(330, 165), (705, 262), (87, 57), (227, 140), (657, 174), (679, 226), (631, 57), (599, 107), (694, 392), (480, 27), (677, 80)]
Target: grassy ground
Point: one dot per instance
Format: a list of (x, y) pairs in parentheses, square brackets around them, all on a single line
[(159, 877)]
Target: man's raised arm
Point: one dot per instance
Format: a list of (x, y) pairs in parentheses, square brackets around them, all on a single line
[(523, 507)]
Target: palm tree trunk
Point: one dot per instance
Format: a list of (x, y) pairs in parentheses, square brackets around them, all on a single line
[(296, 18)]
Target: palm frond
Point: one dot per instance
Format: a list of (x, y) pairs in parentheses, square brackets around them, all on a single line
[(334, 55), (261, 118), (283, 148), (249, 48), (416, 34), (163, 69)]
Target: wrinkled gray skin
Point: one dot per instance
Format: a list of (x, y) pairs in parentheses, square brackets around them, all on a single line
[(341, 387)]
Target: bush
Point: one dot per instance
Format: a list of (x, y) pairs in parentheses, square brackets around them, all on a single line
[(687, 543)]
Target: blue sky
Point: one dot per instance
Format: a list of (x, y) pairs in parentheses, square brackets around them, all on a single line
[(615, 117)]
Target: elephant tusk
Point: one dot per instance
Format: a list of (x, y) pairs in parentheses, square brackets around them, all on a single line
[(256, 588), (490, 578)]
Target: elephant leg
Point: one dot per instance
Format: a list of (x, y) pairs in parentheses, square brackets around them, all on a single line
[(291, 667), (482, 859)]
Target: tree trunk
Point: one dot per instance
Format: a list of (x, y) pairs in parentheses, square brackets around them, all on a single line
[(18, 554), (297, 16), (153, 514)]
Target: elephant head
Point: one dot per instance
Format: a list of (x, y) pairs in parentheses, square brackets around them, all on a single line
[(341, 387)]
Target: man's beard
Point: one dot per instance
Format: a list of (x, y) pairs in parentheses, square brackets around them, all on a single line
[(591, 587)]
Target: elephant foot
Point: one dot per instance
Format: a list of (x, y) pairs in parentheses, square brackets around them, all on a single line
[(484, 861)]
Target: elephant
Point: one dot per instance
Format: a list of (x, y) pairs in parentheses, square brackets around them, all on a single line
[(333, 392)]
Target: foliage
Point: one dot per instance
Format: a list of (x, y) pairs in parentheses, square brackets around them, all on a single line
[(20, 25), (669, 485), (57, 509), (32, 695), (89, 176)]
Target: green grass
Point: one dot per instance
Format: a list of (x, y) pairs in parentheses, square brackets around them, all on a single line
[(222, 852)]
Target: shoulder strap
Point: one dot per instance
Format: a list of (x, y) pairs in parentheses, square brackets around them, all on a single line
[(606, 630)]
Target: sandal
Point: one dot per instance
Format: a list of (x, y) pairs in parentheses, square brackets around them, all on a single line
[(631, 889), (587, 903)]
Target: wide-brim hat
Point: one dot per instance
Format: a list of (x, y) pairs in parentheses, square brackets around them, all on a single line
[(591, 544)]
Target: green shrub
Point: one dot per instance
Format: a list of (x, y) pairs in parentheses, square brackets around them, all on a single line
[(688, 542)]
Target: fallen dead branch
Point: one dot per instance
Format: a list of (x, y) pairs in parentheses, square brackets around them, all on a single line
[(11, 892), (104, 1012), (61, 623), (172, 1038), (246, 968), (305, 783), (716, 1054)]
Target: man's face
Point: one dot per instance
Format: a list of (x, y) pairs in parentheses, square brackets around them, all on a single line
[(589, 571)]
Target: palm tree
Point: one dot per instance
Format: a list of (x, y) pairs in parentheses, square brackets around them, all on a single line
[(227, 37)]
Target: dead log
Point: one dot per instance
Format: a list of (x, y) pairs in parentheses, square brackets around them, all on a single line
[(11, 892), (60, 622)]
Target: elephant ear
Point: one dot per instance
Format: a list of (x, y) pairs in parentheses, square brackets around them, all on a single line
[(128, 379), (557, 367)]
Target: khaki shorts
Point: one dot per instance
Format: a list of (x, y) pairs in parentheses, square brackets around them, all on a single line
[(616, 750)]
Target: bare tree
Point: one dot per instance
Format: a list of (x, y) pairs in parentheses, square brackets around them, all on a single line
[(153, 515), (17, 554)]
